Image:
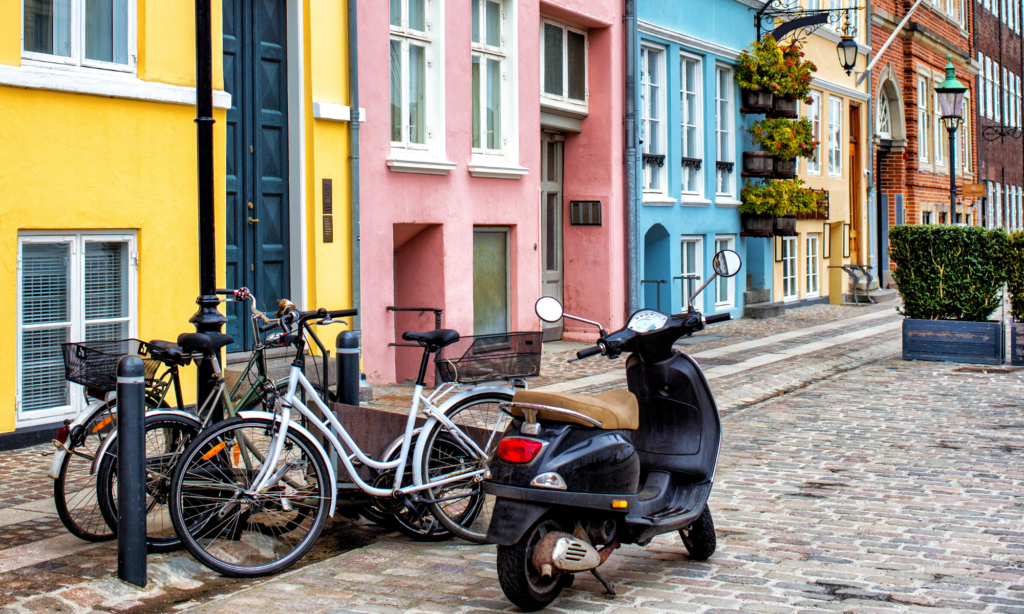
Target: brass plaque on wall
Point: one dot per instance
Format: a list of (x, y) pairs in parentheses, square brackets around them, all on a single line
[(974, 190), (328, 197), (328, 229)]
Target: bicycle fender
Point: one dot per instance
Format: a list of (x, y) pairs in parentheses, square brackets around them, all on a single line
[(112, 437), (472, 392), (61, 449), (266, 415)]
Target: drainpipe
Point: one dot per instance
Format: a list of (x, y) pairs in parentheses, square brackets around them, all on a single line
[(353, 125), (873, 150), (632, 227)]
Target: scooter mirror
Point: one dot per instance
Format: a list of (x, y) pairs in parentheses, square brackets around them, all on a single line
[(548, 309), (727, 263)]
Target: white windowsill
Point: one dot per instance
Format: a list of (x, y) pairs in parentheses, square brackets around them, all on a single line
[(407, 161), (495, 168), (658, 200), (690, 200), (104, 83), (727, 201), (336, 112)]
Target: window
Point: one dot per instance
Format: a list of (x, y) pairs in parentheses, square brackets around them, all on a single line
[(811, 266), (789, 288), (92, 33), (999, 201), (409, 50), (981, 85), (691, 126), (652, 118), (926, 217), (1019, 100), (924, 121), (835, 141), (488, 74), (814, 115), (71, 287), (997, 91), (988, 89), (564, 65), (1006, 90), (723, 132), (692, 261), (884, 116), (964, 136), (724, 290), (941, 140)]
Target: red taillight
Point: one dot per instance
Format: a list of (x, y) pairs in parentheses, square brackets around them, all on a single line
[(62, 434), (518, 449)]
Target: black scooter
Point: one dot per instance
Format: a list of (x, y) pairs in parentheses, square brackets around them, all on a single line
[(575, 476)]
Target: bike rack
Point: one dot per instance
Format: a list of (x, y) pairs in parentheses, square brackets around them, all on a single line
[(657, 288), (855, 271), (437, 326)]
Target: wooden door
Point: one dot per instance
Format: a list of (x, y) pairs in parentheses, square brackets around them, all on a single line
[(856, 257)]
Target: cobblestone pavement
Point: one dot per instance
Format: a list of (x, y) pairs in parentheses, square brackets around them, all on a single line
[(895, 487)]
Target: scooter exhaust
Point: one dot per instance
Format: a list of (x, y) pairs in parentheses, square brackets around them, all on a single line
[(563, 552)]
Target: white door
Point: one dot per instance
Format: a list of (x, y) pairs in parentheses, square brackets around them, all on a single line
[(551, 208)]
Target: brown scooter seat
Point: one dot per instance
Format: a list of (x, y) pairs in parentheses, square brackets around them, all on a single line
[(615, 409)]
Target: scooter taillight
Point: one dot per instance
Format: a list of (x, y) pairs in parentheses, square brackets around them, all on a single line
[(519, 449)]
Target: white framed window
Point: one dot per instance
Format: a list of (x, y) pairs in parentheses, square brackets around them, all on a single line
[(926, 217), (691, 263), (835, 137), (1019, 101), (725, 287), (725, 159), (811, 267), (884, 128), (493, 103), (981, 85), (999, 202), (563, 66), (72, 287), (997, 91), (691, 129), (411, 73), (1006, 90), (80, 33), (652, 118), (941, 138), (924, 122), (814, 115), (987, 76), (790, 290), (964, 136)]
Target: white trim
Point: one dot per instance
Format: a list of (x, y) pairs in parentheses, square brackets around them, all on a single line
[(564, 105), (658, 199), (297, 232), (102, 83), (698, 266), (77, 40), (727, 202), (691, 42), (499, 169), (698, 122), (336, 112), (842, 90), (409, 164), (690, 200), (729, 281)]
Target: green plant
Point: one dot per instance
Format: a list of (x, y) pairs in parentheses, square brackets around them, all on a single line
[(795, 76), (778, 198), (948, 272), (1013, 264), (779, 70), (784, 138)]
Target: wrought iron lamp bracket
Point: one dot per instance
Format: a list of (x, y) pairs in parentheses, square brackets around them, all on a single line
[(997, 133), (781, 18)]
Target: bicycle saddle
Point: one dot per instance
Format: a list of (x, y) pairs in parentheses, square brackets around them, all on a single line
[(435, 339), (207, 343), (167, 353)]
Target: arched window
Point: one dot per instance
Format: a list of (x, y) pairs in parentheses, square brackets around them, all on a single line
[(884, 116)]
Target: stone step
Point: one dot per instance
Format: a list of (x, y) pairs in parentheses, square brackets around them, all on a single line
[(763, 311), (753, 297), (876, 296)]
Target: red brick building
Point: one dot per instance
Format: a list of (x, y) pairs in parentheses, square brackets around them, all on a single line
[(998, 51), (912, 157)]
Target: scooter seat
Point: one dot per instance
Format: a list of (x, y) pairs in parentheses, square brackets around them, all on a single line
[(615, 409)]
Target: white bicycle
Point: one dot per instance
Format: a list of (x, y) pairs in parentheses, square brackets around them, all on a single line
[(250, 495)]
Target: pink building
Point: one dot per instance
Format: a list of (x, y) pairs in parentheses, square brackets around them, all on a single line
[(497, 175)]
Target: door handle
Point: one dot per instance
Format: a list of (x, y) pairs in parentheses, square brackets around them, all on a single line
[(253, 221)]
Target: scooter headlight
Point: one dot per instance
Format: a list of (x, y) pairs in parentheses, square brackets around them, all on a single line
[(549, 480)]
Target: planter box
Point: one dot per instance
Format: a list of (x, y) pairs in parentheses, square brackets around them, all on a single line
[(756, 101), (757, 225), (757, 164), (953, 341), (785, 226), (1017, 344), (783, 107), (784, 169)]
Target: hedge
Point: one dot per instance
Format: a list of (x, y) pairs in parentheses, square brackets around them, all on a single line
[(1015, 274), (948, 272)]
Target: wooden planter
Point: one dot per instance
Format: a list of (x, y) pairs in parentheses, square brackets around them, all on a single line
[(756, 101), (783, 107), (953, 341), (785, 226), (1017, 344), (757, 164), (757, 225), (784, 169)]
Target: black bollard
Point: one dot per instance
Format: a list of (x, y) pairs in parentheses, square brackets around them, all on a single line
[(347, 343), (131, 471)]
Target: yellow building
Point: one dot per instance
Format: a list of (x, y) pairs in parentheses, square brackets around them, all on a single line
[(98, 221), (840, 116)]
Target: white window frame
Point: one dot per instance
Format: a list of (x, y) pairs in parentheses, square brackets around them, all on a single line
[(1007, 110), (997, 92), (725, 183), (924, 122), (652, 172), (698, 264), (835, 137), (790, 254), (730, 282), (77, 61), (488, 52), (981, 85), (76, 290), (812, 265), (579, 108), (987, 76), (964, 137), (939, 137), (883, 124), (814, 116), (697, 191)]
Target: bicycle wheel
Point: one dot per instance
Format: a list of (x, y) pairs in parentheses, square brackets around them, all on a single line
[(462, 506), (232, 530), (167, 436), (74, 490)]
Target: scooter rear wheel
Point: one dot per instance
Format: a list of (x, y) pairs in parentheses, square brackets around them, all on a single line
[(521, 582), (699, 538)]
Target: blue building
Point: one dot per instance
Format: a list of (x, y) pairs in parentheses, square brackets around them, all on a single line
[(692, 138)]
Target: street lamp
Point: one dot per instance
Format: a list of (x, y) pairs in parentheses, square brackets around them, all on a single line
[(951, 98), (847, 50)]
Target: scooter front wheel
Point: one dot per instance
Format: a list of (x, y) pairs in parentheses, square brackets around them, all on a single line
[(521, 582), (699, 537)]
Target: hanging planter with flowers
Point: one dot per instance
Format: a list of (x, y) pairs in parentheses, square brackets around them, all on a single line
[(785, 141), (778, 201)]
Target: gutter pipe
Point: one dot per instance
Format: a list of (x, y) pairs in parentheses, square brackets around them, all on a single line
[(355, 119), (632, 226)]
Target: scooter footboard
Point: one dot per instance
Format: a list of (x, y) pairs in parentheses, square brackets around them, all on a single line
[(511, 518)]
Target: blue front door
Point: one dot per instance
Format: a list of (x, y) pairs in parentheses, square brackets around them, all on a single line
[(256, 76)]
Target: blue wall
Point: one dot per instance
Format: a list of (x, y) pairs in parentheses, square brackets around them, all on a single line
[(723, 23)]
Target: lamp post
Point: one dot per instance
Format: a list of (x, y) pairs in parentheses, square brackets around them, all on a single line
[(951, 98)]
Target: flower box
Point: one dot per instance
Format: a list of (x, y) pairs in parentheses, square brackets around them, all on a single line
[(783, 107), (757, 225), (757, 164), (784, 169), (785, 226), (953, 341), (756, 101)]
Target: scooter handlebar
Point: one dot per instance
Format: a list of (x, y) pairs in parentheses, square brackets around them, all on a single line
[(587, 353), (718, 317)]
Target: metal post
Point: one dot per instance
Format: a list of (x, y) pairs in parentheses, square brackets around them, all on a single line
[(347, 344), (208, 318), (951, 129), (131, 471)]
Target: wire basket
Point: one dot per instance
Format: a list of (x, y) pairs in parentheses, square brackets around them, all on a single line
[(93, 364), (488, 358)]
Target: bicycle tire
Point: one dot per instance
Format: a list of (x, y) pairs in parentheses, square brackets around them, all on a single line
[(160, 535), (74, 490), (462, 507), (210, 466)]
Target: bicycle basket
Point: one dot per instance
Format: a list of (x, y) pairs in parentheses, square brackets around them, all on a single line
[(487, 358), (93, 364)]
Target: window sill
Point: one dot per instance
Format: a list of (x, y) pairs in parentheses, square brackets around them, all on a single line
[(727, 201), (480, 166), (401, 161), (659, 200), (98, 82), (694, 201), (576, 110), (336, 112)]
